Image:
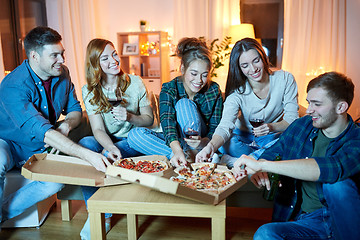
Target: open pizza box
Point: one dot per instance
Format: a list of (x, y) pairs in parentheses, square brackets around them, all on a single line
[(165, 185), (67, 170)]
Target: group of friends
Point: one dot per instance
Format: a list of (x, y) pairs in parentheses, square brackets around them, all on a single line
[(320, 166)]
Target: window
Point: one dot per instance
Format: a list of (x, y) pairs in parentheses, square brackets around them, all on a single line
[(267, 16), (17, 18)]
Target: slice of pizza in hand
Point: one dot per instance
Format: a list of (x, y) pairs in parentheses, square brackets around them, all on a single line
[(203, 170)]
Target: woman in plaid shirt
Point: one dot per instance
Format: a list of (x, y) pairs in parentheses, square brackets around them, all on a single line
[(189, 97)]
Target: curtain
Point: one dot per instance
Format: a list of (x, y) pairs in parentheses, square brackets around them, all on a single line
[(2, 69), (76, 24), (208, 18), (205, 18), (314, 39)]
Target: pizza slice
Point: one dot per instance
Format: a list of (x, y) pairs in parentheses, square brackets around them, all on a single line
[(183, 171), (127, 163), (203, 170), (224, 178), (145, 166)]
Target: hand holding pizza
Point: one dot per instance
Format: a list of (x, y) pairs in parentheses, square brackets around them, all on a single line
[(178, 159), (206, 153), (245, 165), (113, 154), (260, 179)]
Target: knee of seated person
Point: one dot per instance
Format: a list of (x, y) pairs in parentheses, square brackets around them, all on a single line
[(52, 186), (182, 103), (86, 141), (339, 191), (4, 156), (265, 232), (138, 131)]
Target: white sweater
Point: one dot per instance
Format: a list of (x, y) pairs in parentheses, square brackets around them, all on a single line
[(280, 103)]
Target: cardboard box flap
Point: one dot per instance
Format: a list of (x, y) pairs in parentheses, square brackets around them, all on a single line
[(164, 184), (64, 169)]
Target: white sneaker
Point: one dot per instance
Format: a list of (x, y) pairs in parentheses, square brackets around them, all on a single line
[(85, 231)]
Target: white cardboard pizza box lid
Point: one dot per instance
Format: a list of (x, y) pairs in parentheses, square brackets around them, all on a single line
[(164, 184), (67, 170)]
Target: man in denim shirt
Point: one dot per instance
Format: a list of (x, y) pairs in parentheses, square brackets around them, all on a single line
[(32, 98), (320, 169)]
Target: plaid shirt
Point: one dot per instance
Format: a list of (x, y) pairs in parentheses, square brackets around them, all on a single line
[(209, 103), (341, 162)]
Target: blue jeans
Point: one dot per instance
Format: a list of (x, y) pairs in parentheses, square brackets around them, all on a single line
[(17, 202), (239, 142), (315, 225), (91, 143), (343, 199), (149, 142)]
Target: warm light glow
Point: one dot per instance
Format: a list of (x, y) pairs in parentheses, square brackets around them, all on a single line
[(238, 32), (316, 72)]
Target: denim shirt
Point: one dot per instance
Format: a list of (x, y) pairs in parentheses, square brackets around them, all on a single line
[(341, 161), (24, 109)]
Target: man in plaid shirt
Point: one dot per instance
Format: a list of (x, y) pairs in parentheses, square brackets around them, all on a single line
[(320, 169)]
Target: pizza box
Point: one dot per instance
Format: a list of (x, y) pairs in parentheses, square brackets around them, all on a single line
[(165, 185), (67, 170)]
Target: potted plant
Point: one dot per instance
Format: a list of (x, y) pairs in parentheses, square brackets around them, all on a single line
[(142, 25), (221, 51)]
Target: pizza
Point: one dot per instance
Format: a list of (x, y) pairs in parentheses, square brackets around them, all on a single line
[(145, 166), (204, 177), (203, 169)]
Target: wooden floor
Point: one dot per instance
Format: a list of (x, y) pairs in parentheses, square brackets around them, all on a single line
[(241, 224)]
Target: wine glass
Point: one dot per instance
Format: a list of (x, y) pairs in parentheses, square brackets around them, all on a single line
[(256, 119), (191, 128), (115, 100)]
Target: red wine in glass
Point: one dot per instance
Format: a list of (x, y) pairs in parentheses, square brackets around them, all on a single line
[(256, 122), (191, 132), (256, 118), (115, 102)]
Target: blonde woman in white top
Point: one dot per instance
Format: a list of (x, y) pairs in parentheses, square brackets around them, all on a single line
[(252, 85)]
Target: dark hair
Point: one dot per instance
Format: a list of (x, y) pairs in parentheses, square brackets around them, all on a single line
[(38, 37), (190, 49), (236, 79), (338, 86)]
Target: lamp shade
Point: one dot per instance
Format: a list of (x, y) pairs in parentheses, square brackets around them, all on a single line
[(238, 32)]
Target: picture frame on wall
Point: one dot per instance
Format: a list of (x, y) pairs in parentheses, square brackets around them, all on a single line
[(130, 49)]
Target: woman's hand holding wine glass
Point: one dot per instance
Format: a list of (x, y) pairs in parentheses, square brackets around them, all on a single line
[(191, 131), (119, 112), (256, 119)]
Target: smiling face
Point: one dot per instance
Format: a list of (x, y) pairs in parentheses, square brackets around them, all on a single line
[(195, 76), (110, 61), (322, 109), (251, 65), (48, 62)]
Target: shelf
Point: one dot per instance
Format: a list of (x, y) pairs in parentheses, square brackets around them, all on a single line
[(146, 65)]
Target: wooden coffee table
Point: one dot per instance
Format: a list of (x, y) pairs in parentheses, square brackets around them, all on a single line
[(133, 199)]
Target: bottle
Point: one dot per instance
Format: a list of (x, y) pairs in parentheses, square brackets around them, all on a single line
[(274, 184)]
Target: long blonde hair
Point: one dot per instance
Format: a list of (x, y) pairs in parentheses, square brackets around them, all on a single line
[(94, 75)]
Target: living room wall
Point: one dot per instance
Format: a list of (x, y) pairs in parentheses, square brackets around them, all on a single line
[(121, 16)]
